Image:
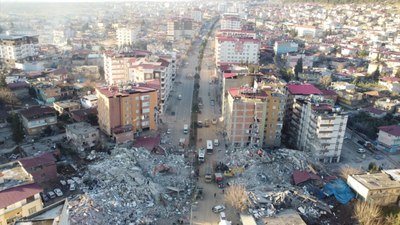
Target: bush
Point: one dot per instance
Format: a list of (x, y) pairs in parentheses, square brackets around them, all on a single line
[(368, 214)]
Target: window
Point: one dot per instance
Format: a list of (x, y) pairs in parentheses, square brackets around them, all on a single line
[(30, 199), (32, 210)]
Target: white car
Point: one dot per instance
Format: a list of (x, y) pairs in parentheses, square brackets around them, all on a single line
[(58, 192), (361, 150), (168, 131), (51, 194), (72, 187), (218, 208)]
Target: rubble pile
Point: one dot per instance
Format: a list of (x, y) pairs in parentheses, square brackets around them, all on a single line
[(131, 186), (270, 184)]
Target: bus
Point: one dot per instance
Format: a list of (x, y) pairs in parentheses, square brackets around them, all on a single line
[(209, 147)]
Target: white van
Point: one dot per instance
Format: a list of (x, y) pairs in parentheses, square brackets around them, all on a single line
[(202, 155), (216, 142)]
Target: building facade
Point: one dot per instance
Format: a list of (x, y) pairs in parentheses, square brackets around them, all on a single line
[(381, 188), (127, 110), (180, 28), (19, 195), (126, 36), (230, 21), (82, 135), (18, 48), (236, 50), (37, 118), (124, 69), (389, 138), (283, 47)]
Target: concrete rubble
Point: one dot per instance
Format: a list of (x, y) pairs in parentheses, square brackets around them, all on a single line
[(268, 180), (131, 186)]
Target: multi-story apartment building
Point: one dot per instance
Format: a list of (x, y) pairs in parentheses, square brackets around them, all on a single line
[(19, 195), (18, 48), (254, 115), (180, 28), (54, 214), (120, 69), (230, 21), (89, 101), (37, 118), (126, 36), (307, 31), (82, 135), (197, 15), (318, 127), (66, 106), (48, 93), (127, 110), (237, 33), (236, 50)]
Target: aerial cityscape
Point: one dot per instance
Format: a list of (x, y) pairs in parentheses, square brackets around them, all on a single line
[(200, 112)]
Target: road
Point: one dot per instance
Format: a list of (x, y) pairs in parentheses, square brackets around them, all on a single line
[(178, 112)]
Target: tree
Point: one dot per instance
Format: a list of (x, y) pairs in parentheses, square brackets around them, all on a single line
[(325, 81), (373, 168), (237, 197), (298, 68), (17, 129), (347, 170), (375, 75)]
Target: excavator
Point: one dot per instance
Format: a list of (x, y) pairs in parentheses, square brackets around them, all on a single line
[(233, 171)]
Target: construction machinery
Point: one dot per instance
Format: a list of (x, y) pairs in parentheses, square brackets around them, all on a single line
[(233, 171)]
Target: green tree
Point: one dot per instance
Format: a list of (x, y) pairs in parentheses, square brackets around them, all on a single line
[(3, 81), (375, 75), (298, 68), (17, 129)]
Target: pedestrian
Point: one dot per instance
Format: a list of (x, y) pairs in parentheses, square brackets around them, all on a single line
[(215, 195), (223, 191)]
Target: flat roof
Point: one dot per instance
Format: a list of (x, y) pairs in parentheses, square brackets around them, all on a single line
[(80, 128), (66, 103), (376, 181), (13, 175)]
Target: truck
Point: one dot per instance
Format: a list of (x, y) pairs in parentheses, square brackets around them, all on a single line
[(209, 147), (185, 129), (202, 155), (219, 177), (208, 174)]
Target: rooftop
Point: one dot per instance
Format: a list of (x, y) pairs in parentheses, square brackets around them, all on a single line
[(13, 175), (37, 112), (80, 128), (50, 215), (376, 181), (392, 129), (43, 159), (66, 103), (303, 89), (16, 194), (247, 93), (115, 91)]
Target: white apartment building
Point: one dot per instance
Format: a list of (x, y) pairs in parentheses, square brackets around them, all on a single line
[(89, 101), (82, 135), (309, 31), (236, 50), (18, 48), (123, 69), (230, 21), (126, 36), (319, 128), (197, 15), (238, 33)]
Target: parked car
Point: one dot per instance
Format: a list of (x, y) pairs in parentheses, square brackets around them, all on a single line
[(361, 150), (44, 197), (51, 194), (168, 131), (72, 187), (58, 192), (218, 208), (362, 143), (379, 157)]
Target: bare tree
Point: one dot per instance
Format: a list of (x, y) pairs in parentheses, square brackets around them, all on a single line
[(237, 197), (347, 170), (368, 213), (8, 97)]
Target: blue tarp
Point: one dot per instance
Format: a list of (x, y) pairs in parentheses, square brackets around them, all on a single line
[(340, 190)]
